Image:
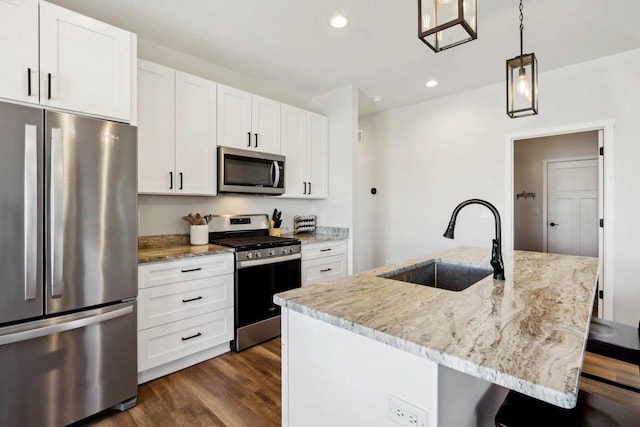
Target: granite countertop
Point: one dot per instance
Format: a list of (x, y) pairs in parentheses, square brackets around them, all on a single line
[(527, 333), (322, 234), (171, 247), (308, 238)]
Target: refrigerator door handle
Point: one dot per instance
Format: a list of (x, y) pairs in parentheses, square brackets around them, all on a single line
[(71, 321), (56, 212), (30, 211)]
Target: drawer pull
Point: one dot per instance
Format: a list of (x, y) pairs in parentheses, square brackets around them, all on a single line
[(191, 269), (273, 309), (191, 337), (191, 299), (324, 270), (325, 250)]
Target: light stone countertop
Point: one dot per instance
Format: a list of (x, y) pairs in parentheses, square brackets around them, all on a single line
[(173, 246), (527, 333), (309, 238)]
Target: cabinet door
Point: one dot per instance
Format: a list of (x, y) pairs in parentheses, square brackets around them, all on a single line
[(19, 47), (234, 118), (156, 131), (85, 64), (317, 129), (294, 148), (265, 124), (195, 135)]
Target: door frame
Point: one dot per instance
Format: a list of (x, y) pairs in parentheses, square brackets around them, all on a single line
[(545, 164), (605, 170)]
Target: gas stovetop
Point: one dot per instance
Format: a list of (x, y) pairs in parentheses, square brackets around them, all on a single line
[(249, 236), (253, 242)]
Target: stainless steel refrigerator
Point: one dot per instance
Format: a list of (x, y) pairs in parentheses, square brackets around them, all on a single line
[(68, 266)]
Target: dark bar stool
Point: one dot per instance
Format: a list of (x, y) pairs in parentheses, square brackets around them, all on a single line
[(606, 338)]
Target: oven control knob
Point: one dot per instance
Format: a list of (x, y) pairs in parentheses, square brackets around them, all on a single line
[(249, 255), (284, 250), (291, 250), (272, 252), (258, 254)]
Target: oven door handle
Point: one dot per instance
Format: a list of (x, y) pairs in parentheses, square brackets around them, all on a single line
[(257, 262)]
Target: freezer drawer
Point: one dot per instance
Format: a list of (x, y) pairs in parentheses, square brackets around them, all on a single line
[(61, 370)]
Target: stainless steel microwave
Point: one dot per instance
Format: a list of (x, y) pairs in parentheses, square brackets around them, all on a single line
[(250, 172)]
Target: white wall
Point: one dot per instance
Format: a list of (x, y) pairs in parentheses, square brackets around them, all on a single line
[(435, 154), (341, 106)]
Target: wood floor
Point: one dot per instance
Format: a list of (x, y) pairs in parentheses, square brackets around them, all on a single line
[(243, 389), (234, 390)]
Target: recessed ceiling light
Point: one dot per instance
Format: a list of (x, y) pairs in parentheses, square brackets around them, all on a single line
[(339, 21), (377, 99), (431, 83)]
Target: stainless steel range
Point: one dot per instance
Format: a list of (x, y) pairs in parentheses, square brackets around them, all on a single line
[(265, 265)]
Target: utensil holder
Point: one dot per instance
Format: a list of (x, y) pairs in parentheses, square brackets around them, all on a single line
[(275, 232), (199, 234)]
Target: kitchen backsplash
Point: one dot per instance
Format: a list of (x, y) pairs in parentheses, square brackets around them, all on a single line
[(162, 215)]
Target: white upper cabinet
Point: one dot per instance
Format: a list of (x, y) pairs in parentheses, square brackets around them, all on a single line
[(156, 129), (19, 47), (65, 60), (195, 135), (85, 64), (176, 132), (247, 121), (305, 146)]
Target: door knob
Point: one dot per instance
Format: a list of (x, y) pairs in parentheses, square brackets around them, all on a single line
[(553, 224)]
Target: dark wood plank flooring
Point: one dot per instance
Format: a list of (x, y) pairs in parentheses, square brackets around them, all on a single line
[(234, 390), (243, 389)]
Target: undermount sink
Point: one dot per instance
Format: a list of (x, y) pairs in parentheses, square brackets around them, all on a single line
[(441, 274)]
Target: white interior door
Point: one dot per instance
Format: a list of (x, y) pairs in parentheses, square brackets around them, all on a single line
[(572, 207)]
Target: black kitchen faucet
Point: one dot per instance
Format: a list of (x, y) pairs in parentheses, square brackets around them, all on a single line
[(496, 248)]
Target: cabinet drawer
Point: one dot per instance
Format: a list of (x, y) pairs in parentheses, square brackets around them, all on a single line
[(323, 269), (166, 343), (177, 301), (164, 273), (317, 250)]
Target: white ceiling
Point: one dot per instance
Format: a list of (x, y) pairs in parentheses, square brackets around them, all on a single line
[(289, 42)]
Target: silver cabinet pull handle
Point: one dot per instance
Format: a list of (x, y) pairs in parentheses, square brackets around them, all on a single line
[(324, 270), (56, 211), (30, 210), (189, 270), (325, 250), (191, 299)]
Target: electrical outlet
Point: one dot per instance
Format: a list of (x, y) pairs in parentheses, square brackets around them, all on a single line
[(405, 414)]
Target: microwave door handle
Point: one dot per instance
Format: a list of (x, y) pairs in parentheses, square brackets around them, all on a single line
[(276, 180)]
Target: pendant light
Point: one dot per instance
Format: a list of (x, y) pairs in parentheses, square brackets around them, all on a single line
[(522, 82), (443, 24)]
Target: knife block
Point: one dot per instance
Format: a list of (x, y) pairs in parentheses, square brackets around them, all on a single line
[(275, 232)]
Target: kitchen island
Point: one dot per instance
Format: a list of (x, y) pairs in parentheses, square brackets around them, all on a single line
[(357, 349)]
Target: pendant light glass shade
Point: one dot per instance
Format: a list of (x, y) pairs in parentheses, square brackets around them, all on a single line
[(522, 86), (443, 24)]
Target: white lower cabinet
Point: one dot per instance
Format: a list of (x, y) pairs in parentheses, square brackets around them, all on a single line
[(322, 262), (185, 313)]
